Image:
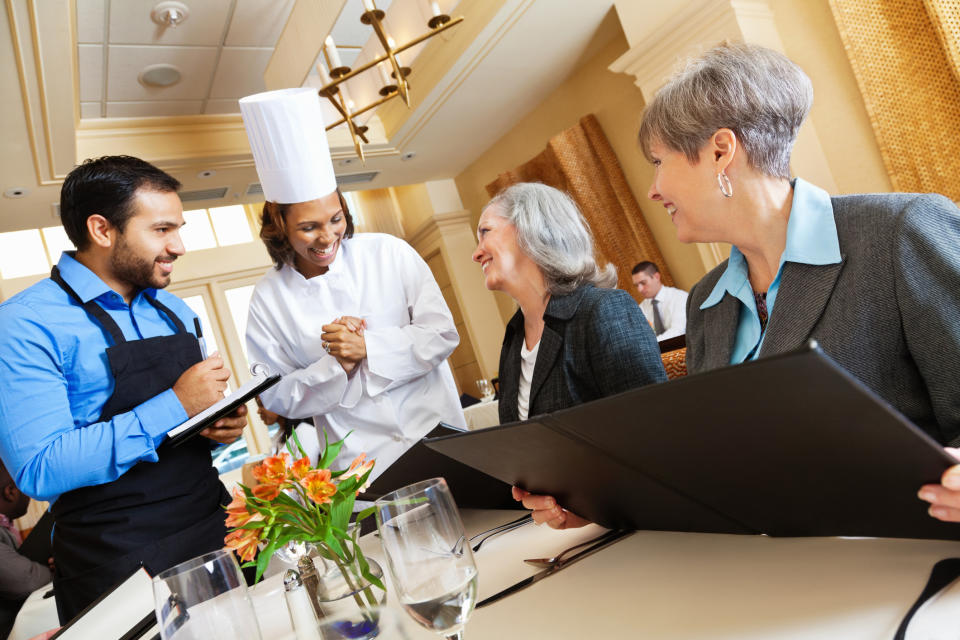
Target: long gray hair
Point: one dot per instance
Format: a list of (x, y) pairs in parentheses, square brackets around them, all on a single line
[(756, 92), (554, 234)]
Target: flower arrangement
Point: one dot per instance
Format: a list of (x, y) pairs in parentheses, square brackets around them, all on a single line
[(297, 502)]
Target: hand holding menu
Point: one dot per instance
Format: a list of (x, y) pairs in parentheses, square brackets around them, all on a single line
[(258, 382)]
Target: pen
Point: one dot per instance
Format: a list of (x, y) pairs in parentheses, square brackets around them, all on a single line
[(203, 344)]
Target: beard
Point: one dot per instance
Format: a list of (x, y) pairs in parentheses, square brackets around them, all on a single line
[(132, 268)]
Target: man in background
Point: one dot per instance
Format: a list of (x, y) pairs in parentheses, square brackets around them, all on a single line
[(664, 307), (19, 575)]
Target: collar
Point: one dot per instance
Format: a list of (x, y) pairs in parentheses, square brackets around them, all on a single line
[(334, 271), (558, 307), (811, 239), (85, 282), (6, 523), (565, 306)]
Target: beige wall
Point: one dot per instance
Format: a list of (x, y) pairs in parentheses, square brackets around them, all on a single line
[(617, 104), (810, 38)]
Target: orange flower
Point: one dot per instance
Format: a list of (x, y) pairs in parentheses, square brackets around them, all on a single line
[(266, 491), (357, 468), (237, 514), (318, 485), (243, 542), (300, 468), (273, 470)]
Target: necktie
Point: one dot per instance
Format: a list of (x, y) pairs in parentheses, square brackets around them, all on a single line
[(658, 327)]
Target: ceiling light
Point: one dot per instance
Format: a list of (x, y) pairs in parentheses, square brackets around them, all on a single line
[(159, 75), (170, 13), (16, 192), (206, 173)]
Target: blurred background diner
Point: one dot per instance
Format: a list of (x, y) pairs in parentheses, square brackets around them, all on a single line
[(520, 91)]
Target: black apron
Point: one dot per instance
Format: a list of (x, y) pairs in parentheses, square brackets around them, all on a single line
[(156, 514)]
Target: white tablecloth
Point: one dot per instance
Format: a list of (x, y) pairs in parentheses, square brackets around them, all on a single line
[(483, 414), (676, 586)]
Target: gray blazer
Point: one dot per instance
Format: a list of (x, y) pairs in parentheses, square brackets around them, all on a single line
[(889, 312), (595, 343)]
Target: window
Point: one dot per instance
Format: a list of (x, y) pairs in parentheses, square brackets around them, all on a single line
[(230, 225), (217, 227), (22, 254)]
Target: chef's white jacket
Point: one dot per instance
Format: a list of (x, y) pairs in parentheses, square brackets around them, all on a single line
[(404, 386)]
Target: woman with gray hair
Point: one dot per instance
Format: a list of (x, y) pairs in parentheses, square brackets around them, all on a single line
[(574, 338), (872, 278)]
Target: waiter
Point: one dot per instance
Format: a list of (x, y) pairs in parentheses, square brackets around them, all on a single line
[(97, 365)]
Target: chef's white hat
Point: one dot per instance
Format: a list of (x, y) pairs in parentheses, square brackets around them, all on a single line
[(289, 144)]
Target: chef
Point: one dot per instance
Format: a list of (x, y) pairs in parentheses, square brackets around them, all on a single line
[(355, 322)]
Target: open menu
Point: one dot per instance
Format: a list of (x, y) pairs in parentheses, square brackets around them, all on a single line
[(790, 445), (258, 382)]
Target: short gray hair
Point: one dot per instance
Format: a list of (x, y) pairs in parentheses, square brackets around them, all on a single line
[(554, 234), (756, 92)]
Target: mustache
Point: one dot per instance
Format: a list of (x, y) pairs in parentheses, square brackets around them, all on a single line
[(168, 258)]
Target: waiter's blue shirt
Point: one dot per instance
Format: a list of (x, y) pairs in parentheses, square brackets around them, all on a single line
[(56, 380), (811, 239)]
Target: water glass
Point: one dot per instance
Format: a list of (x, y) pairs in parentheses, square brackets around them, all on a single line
[(205, 599), (434, 575), (485, 389)]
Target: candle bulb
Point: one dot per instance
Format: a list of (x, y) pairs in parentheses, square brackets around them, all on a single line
[(368, 5), (332, 53), (435, 7), (384, 75), (324, 76)]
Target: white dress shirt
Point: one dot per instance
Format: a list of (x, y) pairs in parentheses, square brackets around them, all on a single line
[(404, 386), (673, 311)]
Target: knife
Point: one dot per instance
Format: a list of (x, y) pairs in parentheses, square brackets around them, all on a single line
[(606, 540)]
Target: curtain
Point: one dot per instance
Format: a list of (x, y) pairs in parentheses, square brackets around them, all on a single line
[(581, 162), (905, 56)]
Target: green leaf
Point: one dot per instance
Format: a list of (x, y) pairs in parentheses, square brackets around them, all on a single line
[(293, 434), (330, 450), (263, 558)]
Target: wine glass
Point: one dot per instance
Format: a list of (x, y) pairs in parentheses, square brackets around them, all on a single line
[(205, 599), (432, 565), (485, 389)]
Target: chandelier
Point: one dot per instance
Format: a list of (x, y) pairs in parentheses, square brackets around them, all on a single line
[(395, 84)]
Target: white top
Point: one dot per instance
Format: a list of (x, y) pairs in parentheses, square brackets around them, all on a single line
[(528, 360), (307, 435), (673, 311), (401, 390)]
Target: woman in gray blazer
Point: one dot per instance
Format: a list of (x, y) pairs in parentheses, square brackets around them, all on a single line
[(875, 279), (574, 338)]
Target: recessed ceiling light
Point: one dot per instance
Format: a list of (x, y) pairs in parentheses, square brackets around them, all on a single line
[(16, 192), (159, 75), (206, 173), (409, 155), (170, 13)]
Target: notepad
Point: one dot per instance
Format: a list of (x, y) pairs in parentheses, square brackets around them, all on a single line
[(259, 382)]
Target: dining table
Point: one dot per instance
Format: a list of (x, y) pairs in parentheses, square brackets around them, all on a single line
[(667, 585)]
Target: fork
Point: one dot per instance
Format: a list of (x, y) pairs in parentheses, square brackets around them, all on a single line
[(546, 563), (503, 528)]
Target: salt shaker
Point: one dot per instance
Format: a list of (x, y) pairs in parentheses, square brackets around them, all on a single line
[(298, 604)]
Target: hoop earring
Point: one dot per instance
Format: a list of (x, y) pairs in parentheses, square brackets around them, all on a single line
[(725, 187)]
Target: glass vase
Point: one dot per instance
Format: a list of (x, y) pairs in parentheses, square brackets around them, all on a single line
[(337, 588)]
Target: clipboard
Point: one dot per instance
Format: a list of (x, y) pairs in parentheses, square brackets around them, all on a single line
[(252, 387), (790, 445)]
